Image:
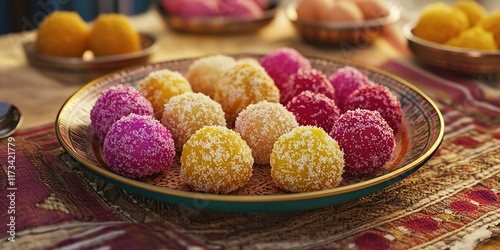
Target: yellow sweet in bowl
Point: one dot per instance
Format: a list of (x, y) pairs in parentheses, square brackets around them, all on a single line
[(474, 38), (113, 34), (473, 10), (492, 24), (62, 33), (439, 22)]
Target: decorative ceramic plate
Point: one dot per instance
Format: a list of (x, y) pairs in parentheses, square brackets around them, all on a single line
[(420, 136), (89, 63)]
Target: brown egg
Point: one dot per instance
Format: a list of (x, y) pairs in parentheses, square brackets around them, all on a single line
[(372, 9), (342, 11), (312, 9)]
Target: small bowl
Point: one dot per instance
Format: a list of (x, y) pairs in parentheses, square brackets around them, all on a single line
[(338, 33), (220, 24), (456, 60), (86, 64)]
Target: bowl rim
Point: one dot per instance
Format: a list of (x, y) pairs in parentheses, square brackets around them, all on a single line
[(394, 16), (408, 33)]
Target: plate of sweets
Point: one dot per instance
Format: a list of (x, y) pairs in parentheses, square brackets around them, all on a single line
[(64, 41), (251, 133), (218, 16), (461, 38)]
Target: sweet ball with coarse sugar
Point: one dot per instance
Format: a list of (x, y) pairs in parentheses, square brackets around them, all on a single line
[(314, 109), (138, 146), (306, 79), (184, 114), (283, 62), (243, 84), (261, 124), (306, 159), (378, 98), (366, 140), (161, 85), (114, 103), (345, 81), (216, 160), (204, 72)]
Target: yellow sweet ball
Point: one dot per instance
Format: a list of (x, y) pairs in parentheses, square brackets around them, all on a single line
[(113, 34), (161, 85), (216, 160), (306, 159), (62, 33), (492, 24), (474, 38), (439, 22), (243, 84), (474, 11)]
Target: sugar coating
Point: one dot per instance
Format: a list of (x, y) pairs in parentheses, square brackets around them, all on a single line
[(380, 98), (366, 139), (216, 160), (161, 85), (306, 159), (243, 84), (345, 80), (204, 73), (138, 146), (184, 114), (281, 63), (314, 109), (114, 103), (306, 79), (261, 124)]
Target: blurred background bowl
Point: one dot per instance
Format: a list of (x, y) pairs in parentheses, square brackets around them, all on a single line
[(452, 59), (337, 33), (220, 24)]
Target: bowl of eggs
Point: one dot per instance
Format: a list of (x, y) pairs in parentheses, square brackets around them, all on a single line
[(334, 22), (218, 16), (462, 38)]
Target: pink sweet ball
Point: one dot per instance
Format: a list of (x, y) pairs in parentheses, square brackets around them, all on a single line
[(314, 109), (306, 79), (199, 8), (138, 146), (345, 80), (379, 98), (262, 3), (282, 63), (240, 8), (113, 104), (366, 139)]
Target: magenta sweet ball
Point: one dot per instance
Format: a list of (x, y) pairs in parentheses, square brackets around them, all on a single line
[(314, 109), (345, 80), (380, 98), (283, 62), (138, 146), (306, 79), (365, 138), (240, 8), (114, 103)]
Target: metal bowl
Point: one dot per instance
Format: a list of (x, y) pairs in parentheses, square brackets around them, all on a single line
[(338, 33), (220, 24), (452, 59)]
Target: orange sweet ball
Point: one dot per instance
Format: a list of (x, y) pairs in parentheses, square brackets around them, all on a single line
[(439, 22), (306, 159), (261, 124), (62, 33), (473, 10), (243, 84), (216, 160), (113, 34), (161, 85), (492, 24)]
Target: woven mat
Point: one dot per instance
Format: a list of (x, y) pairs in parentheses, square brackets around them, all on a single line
[(454, 200)]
